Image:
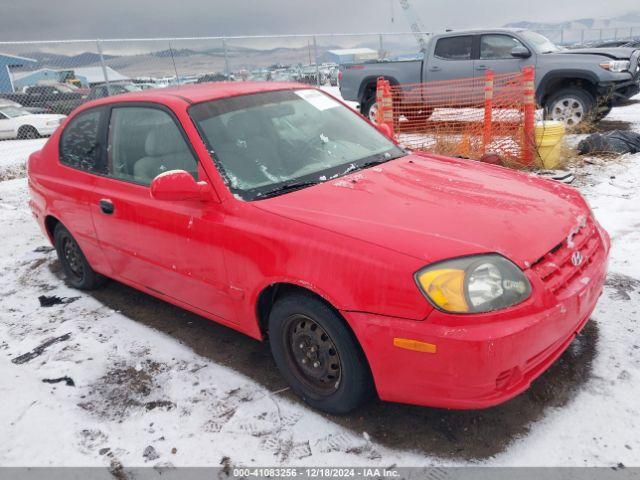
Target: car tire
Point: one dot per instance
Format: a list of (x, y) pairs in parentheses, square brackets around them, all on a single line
[(318, 355), (571, 105), (368, 107), (27, 132), (77, 271)]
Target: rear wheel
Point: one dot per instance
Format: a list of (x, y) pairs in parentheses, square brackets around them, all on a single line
[(571, 106), (27, 132), (78, 273), (318, 355)]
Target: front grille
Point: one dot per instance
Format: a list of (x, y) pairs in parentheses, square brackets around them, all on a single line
[(635, 64), (558, 270)]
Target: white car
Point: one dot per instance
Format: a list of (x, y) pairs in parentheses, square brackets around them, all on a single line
[(17, 122)]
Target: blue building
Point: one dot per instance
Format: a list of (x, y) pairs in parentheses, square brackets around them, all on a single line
[(6, 63)]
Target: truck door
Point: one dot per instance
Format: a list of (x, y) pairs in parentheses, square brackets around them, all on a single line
[(451, 59), (495, 55)]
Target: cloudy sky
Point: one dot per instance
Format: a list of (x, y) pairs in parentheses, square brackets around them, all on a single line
[(71, 19)]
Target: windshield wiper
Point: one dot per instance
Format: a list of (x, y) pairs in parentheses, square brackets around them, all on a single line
[(380, 158), (287, 187)]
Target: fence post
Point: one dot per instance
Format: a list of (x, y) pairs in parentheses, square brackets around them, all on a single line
[(488, 110), (315, 54), (226, 58), (582, 36), (562, 36), (384, 102), (529, 107), (381, 47), (104, 67)]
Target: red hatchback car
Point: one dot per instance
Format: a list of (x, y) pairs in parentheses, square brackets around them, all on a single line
[(277, 210)]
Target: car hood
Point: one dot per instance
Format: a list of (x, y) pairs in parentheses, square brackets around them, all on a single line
[(615, 53), (434, 208)]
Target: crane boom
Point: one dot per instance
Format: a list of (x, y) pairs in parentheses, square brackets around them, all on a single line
[(415, 24)]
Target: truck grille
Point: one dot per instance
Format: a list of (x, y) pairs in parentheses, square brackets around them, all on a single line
[(563, 265), (635, 64)]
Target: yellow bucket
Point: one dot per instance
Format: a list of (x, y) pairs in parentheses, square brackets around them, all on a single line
[(549, 137)]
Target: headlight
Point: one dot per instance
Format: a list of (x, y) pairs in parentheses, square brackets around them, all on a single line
[(476, 284), (54, 123), (616, 66)]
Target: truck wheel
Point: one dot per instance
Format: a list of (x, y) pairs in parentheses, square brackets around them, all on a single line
[(77, 271), (369, 108), (318, 355), (571, 106), (27, 132)]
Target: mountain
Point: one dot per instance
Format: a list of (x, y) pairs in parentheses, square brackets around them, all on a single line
[(56, 60), (631, 19)]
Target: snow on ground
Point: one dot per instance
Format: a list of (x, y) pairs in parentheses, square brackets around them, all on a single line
[(13, 156), (148, 384)]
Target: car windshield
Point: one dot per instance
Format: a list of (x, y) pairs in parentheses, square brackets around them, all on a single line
[(265, 144), (13, 112), (541, 43)]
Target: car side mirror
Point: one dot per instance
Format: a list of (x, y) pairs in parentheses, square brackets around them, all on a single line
[(384, 129), (176, 185), (520, 52)]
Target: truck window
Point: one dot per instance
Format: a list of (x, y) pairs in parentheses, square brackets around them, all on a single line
[(455, 48), (495, 47)]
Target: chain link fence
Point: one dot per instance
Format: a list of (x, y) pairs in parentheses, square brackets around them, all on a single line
[(42, 82)]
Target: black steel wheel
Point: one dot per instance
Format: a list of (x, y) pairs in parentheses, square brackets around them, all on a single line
[(317, 354), (78, 273), (311, 354)]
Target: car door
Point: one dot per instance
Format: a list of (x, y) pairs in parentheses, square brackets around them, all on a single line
[(495, 55), (170, 248)]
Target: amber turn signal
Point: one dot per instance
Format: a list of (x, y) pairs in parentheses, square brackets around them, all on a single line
[(415, 345)]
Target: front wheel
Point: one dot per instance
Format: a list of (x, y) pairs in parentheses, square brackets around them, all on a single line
[(571, 106), (318, 355)]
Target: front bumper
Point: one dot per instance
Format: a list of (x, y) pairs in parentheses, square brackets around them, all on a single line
[(476, 364)]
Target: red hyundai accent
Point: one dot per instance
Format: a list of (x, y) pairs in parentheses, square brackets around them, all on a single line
[(276, 210)]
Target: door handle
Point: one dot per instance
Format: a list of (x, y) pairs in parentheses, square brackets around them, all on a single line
[(435, 69), (481, 67), (106, 206)]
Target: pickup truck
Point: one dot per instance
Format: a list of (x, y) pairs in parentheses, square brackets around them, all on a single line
[(54, 98), (571, 85)]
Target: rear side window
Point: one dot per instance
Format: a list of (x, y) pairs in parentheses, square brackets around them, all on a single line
[(80, 143), (455, 48)]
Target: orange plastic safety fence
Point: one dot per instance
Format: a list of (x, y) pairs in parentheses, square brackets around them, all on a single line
[(471, 117)]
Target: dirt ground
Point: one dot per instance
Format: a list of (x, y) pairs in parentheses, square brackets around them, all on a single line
[(458, 434)]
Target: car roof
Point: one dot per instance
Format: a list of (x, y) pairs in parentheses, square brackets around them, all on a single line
[(200, 92)]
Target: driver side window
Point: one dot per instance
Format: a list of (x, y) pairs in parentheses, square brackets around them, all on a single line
[(498, 47), (145, 142)]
